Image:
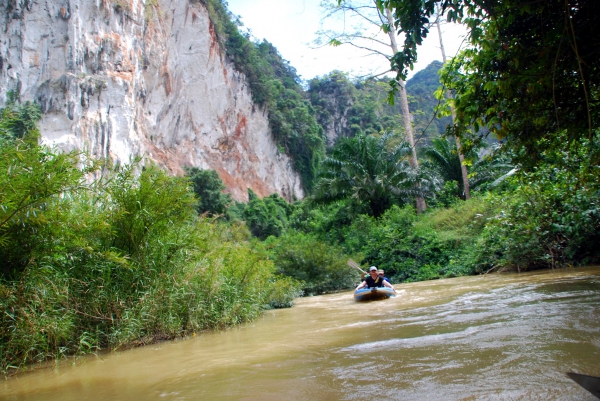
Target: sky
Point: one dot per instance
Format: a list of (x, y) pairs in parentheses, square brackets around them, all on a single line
[(291, 26)]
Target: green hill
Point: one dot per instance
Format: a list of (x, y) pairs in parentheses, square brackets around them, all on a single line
[(345, 108)]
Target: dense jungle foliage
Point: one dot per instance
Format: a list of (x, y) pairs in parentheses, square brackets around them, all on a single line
[(361, 202), (529, 73), (135, 255), (121, 261)]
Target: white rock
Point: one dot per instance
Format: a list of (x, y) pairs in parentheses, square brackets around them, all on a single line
[(141, 79)]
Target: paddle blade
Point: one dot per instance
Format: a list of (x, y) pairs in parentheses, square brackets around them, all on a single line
[(590, 383), (352, 263)]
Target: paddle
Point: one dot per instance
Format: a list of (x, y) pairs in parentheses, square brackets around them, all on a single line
[(352, 263), (590, 383)]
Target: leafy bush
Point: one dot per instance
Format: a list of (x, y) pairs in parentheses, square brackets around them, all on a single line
[(320, 267), (31, 179), (428, 246), (283, 294), (122, 261), (328, 222), (266, 216), (19, 121), (209, 188), (552, 218), (392, 244)]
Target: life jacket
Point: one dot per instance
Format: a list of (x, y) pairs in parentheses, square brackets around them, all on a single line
[(378, 282)]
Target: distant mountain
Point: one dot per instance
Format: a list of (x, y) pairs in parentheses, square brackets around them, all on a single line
[(346, 108), (423, 104)]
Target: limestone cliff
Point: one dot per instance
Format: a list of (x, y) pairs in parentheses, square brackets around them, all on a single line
[(124, 78)]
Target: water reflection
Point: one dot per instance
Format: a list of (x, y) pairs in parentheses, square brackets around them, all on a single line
[(498, 337)]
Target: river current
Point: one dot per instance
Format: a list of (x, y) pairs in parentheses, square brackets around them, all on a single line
[(496, 337)]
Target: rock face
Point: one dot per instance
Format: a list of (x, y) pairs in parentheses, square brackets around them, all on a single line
[(125, 78)]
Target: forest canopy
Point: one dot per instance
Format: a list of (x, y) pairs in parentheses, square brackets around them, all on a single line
[(530, 69)]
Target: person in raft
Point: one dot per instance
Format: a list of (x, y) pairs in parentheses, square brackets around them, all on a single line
[(373, 280), (381, 274)]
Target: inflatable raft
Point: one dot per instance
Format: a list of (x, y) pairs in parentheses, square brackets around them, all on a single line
[(369, 294)]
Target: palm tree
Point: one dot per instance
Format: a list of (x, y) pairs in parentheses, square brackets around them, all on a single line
[(370, 170), (368, 24), (444, 161)]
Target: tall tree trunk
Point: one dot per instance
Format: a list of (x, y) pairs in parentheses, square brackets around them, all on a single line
[(414, 162), (461, 157)]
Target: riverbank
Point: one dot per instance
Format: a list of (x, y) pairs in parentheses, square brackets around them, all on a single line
[(500, 336), (119, 262)]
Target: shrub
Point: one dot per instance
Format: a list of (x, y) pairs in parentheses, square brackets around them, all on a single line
[(320, 267), (209, 188), (412, 248), (552, 218), (32, 180), (121, 262), (267, 216)]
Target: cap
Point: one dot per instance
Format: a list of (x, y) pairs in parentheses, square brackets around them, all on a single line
[(372, 268)]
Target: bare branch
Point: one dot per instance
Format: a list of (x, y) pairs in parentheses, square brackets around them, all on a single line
[(359, 11), (368, 49), (367, 38)]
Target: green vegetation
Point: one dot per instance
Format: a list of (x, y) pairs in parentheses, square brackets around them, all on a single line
[(544, 215), (138, 256), (407, 250), (371, 170), (267, 216), (122, 261), (548, 217), (552, 217), (319, 266), (530, 71), (208, 188), (442, 164), (349, 108)]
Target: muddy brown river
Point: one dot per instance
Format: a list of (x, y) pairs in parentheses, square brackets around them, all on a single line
[(495, 337)]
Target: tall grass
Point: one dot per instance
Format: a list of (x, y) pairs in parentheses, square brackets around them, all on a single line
[(121, 262)]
